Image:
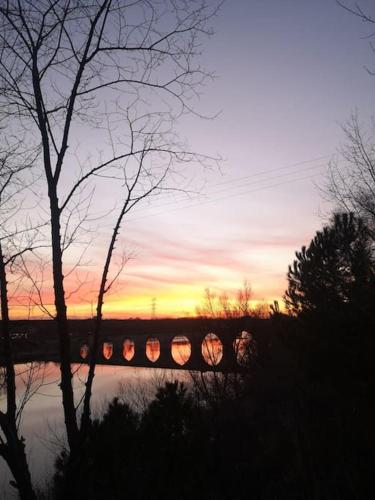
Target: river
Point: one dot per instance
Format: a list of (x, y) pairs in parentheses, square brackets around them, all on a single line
[(42, 418)]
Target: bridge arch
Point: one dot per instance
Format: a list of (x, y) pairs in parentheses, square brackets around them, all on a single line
[(180, 348), (128, 349), (212, 349), (242, 347), (152, 349), (84, 351), (107, 350)]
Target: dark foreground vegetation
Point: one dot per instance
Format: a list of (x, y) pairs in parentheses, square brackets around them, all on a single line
[(297, 425)]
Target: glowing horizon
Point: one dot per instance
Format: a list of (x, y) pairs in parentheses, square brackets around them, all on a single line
[(174, 305), (283, 93)]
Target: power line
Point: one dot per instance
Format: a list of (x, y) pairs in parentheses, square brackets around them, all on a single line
[(273, 177), (276, 169), (205, 202), (215, 192)]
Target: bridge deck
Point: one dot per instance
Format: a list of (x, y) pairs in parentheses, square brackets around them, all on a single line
[(204, 345)]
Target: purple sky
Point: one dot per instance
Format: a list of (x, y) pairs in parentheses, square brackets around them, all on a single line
[(288, 73)]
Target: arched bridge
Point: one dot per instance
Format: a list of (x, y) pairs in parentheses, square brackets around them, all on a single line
[(188, 344)]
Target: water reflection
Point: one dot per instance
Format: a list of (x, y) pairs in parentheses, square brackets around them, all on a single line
[(153, 349), (212, 349), (128, 349), (242, 347), (42, 422), (84, 351), (181, 349), (107, 350)]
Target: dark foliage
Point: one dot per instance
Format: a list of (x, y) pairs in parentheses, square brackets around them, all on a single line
[(178, 449), (335, 274), (298, 425), (294, 431), (332, 292)]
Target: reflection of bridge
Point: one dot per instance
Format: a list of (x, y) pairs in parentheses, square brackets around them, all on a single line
[(174, 344)]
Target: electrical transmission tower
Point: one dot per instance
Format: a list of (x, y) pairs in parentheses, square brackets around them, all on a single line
[(153, 308)]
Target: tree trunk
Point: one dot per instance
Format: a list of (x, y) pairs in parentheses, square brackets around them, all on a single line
[(62, 327), (13, 451), (57, 269), (10, 374), (86, 414), (86, 418)]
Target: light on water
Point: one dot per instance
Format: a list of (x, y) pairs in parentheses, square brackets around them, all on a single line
[(212, 349), (42, 422), (153, 349), (107, 350), (128, 349), (181, 349)]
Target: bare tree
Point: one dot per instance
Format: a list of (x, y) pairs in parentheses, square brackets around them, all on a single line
[(243, 299), (356, 9), (130, 200), (14, 242), (351, 177), (223, 306), (72, 72)]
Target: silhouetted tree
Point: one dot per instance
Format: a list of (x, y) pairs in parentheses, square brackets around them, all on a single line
[(335, 273), (351, 176), (331, 290), (226, 306), (15, 241), (76, 67)]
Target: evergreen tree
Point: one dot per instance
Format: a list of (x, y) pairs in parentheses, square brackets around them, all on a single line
[(335, 274)]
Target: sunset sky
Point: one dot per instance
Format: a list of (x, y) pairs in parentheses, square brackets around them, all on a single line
[(287, 75)]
